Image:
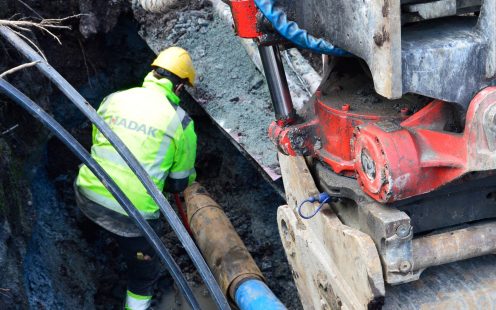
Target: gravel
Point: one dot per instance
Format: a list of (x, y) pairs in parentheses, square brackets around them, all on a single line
[(230, 88)]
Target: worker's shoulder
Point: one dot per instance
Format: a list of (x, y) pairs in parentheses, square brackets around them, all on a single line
[(151, 103), (185, 119), (137, 93)]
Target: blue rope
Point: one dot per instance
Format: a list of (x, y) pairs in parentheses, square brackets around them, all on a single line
[(323, 198)]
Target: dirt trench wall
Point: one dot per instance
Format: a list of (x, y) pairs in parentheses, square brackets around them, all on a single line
[(45, 261), (52, 259), (13, 222)]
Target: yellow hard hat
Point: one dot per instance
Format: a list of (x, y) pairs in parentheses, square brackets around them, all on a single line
[(178, 61)]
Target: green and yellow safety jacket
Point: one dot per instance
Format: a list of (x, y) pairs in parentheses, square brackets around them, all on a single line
[(157, 131)]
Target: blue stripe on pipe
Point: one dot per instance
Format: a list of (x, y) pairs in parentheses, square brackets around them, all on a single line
[(253, 294), (293, 33)]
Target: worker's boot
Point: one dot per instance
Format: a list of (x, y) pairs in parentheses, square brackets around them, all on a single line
[(137, 302)]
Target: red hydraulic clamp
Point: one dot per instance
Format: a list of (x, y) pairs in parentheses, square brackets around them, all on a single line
[(245, 18)]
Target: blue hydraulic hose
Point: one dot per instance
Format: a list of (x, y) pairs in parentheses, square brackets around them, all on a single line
[(253, 294), (292, 32)]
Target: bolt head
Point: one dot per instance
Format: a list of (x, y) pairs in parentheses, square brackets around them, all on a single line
[(403, 230), (405, 266)]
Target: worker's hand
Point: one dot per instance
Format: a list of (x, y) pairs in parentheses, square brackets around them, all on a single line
[(179, 89)]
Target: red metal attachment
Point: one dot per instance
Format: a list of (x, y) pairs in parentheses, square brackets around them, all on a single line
[(245, 18), (395, 156), (396, 161), (297, 140), (336, 130)]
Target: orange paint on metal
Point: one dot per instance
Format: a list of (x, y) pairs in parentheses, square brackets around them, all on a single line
[(394, 156), (245, 18)]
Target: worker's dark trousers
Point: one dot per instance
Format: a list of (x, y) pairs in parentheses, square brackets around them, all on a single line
[(142, 274)]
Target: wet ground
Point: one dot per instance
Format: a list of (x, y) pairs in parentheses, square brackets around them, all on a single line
[(247, 198)]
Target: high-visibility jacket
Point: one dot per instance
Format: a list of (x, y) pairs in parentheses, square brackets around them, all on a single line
[(157, 131)]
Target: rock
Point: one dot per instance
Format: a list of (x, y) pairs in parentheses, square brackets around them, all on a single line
[(201, 52), (266, 265), (98, 16), (256, 82), (203, 22)]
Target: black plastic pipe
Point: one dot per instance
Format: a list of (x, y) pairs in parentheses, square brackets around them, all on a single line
[(106, 180), (129, 158)]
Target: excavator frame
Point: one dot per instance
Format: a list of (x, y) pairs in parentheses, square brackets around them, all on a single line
[(401, 136)]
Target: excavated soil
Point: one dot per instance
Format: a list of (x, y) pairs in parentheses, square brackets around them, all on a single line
[(51, 257), (229, 86)]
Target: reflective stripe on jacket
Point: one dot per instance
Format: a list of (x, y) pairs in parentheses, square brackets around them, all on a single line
[(157, 131)]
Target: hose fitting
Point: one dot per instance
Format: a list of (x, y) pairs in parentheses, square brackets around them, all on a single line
[(322, 198)]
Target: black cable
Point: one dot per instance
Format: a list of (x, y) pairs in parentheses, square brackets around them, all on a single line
[(134, 165), (106, 180)]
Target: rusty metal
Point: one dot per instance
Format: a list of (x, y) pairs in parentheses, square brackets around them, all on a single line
[(223, 249), (439, 249), (334, 266), (464, 284)]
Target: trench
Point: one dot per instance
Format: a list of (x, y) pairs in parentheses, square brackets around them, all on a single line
[(54, 258)]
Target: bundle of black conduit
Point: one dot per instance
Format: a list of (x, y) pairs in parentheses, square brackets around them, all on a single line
[(79, 151)]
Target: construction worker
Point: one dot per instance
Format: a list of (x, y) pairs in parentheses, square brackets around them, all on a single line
[(160, 134)]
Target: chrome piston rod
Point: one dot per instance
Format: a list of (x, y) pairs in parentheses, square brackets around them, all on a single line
[(276, 80)]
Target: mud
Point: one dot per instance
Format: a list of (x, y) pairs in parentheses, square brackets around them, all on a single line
[(51, 256), (46, 258)]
